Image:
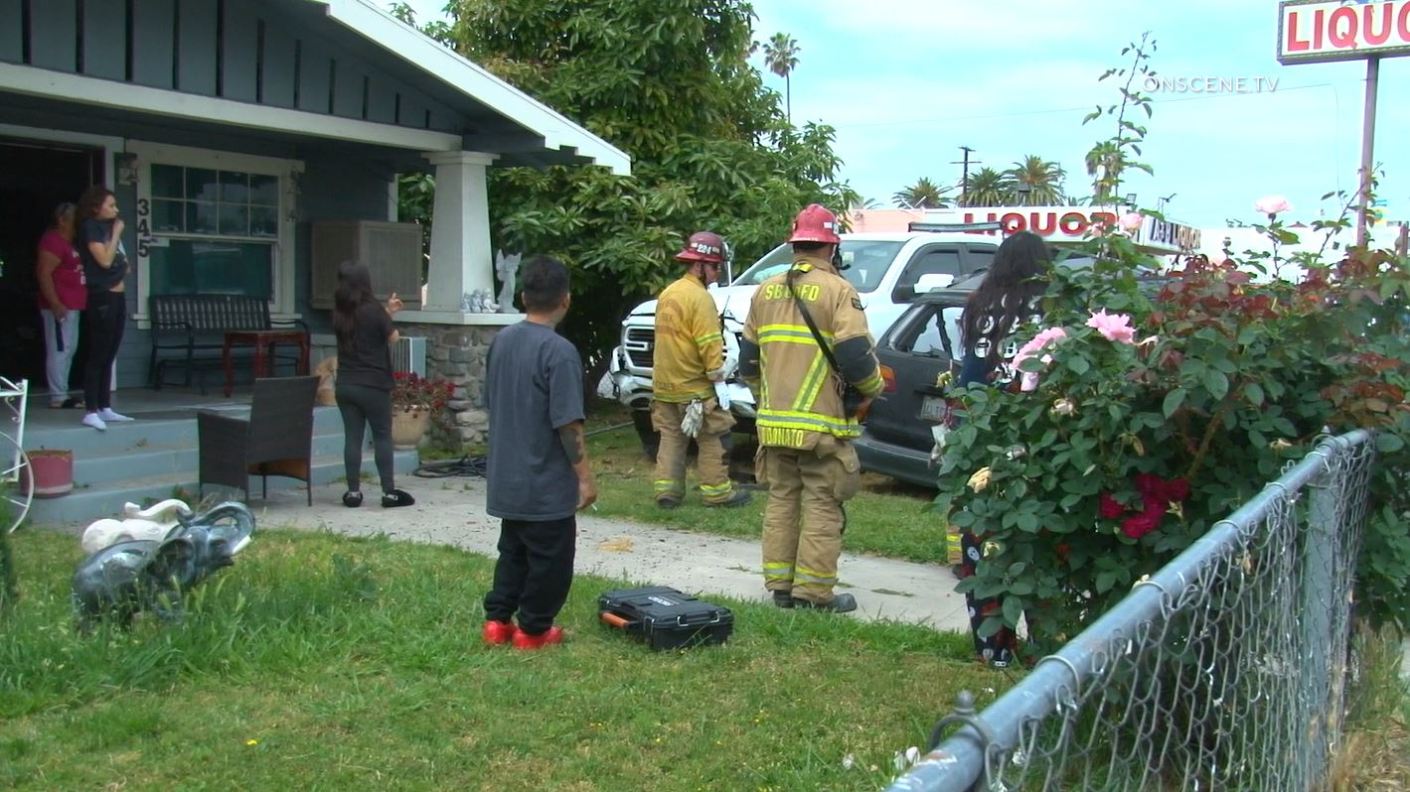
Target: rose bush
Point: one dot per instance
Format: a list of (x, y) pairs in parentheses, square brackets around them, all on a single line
[(1118, 453), (1125, 451), (411, 391)]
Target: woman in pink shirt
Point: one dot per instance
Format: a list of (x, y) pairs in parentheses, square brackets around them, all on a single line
[(63, 292)]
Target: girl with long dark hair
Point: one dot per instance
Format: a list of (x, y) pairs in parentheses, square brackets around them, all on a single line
[(1008, 297), (364, 390), (105, 270)]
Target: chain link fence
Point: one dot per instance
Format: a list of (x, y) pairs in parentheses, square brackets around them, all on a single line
[(1226, 670)]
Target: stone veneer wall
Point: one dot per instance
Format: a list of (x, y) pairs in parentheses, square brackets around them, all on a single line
[(457, 353)]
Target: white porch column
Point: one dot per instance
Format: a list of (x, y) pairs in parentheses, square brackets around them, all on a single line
[(461, 259)]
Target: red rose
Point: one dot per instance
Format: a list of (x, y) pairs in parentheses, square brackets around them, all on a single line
[(1147, 483), (1141, 524), (1177, 489), (1110, 507)]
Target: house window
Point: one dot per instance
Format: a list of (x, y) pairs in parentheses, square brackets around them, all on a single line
[(213, 231)]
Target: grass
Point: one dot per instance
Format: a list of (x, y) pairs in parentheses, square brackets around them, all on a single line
[(887, 518), (1375, 751), (321, 662)]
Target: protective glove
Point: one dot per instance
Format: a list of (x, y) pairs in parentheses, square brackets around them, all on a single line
[(694, 414), (722, 394)]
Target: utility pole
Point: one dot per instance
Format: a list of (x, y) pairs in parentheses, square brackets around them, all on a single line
[(1368, 144), (964, 183)]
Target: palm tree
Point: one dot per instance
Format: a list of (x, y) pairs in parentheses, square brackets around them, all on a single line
[(1043, 180), (988, 187), (1104, 165), (924, 194), (781, 56)]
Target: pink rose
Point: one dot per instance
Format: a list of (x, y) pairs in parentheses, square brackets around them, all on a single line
[(1272, 205), (1114, 327), (1131, 222), (1050, 336), (1028, 380)]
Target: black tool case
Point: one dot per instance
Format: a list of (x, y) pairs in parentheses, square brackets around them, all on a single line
[(665, 618)]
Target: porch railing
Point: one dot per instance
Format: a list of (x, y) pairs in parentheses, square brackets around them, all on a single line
[(1224, 670)]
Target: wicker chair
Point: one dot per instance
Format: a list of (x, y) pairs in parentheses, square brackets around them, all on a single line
[(277, 438)]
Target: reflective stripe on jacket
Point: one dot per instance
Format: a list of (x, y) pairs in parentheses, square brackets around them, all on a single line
[(688, 343), (799, 395)]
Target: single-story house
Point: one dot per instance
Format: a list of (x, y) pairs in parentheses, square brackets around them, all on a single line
[(251, 145)]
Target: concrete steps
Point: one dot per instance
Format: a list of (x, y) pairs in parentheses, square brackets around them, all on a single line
[(156, 458)]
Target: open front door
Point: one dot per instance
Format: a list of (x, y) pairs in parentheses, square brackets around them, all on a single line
[(35, 177)]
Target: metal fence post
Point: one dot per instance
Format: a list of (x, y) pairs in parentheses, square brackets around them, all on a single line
[(1316, 605)]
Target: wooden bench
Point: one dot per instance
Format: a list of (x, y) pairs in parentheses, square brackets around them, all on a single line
[(188, 330)]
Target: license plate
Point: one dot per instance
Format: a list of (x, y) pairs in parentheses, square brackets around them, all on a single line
[(932, 408)]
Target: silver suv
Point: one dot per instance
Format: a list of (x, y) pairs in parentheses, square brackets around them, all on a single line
[(887, 269)]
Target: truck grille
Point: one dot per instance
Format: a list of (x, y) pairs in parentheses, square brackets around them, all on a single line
[(639, 343)]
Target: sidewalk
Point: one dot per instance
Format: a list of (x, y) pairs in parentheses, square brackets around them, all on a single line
[(452, 511)]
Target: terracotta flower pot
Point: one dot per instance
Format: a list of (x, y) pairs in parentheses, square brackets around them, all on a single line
[(409, 425), (53, 472)]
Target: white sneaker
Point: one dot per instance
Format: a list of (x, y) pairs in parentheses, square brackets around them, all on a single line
[(108, 415), (93, 420)]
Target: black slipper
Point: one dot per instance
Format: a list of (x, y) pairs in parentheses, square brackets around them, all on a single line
[(352, 499), (396, 498)]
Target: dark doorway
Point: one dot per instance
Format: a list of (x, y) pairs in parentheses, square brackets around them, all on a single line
[(35, 177)]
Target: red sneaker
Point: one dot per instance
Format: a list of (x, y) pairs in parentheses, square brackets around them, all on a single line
[(498, 632), (549, 637)]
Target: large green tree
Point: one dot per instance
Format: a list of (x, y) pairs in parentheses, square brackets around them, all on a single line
[(671, 86)]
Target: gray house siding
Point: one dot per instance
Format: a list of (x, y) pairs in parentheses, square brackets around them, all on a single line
[(245, 50)]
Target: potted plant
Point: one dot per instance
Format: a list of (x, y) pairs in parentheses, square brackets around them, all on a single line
[(414, 400), (53, 472)]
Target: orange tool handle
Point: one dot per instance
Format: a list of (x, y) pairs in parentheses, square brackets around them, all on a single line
[(613, 620)]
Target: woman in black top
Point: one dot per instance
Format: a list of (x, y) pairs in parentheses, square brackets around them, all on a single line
[(105, 270), (1007, 298), (364, 389)]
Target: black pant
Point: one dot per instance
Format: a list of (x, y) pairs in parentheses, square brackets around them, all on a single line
[(361, 407), (103, 322), (534, 572)]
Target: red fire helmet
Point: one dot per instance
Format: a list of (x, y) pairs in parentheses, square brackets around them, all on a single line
[(815, 224), (706, 246)]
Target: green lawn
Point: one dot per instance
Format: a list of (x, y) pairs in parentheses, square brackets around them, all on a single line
[(887, 518), (321, 662)]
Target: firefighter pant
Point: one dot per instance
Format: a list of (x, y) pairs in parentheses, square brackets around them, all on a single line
[(804, 518), (712, 463)]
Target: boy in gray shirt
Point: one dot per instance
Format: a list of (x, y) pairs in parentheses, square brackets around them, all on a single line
[(538, 471)]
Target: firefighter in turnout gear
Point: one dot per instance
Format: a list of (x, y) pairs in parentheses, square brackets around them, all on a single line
[(687, 363), (813, 374)]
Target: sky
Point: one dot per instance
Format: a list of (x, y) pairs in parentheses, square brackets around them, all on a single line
[(905, 83)]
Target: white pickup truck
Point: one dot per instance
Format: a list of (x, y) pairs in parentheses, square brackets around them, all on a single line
[(888, 270)]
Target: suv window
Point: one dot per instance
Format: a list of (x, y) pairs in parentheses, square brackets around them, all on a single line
[(933, 331), (980, 259), (931, 261), (868, 262)]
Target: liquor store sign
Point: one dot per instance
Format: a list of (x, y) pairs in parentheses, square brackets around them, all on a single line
[(1072, 224), (1312, 31)]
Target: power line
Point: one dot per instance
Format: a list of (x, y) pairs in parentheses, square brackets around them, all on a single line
[(1052, 111)]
